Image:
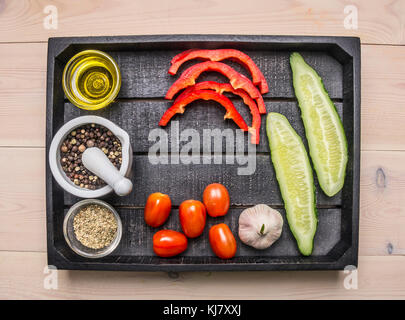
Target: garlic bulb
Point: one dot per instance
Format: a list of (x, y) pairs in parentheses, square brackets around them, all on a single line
[(260, 226)]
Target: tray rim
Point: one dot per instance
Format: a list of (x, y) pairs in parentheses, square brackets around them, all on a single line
[(351, 45)]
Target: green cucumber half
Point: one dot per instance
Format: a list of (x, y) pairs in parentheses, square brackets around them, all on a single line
[(294, 176), (323, 127)]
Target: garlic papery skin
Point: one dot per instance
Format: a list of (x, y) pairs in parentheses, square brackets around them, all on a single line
[(260, 226)]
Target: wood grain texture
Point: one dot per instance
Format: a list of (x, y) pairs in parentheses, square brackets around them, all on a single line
[(22, 210), (22, 214), (22, 198), (378, 277), (383, 96), (22, 98), (145, 75), (378, 21), (382, 217), (22, 94)]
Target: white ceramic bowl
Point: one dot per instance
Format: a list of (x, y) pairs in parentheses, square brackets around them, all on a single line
[(54, 155)]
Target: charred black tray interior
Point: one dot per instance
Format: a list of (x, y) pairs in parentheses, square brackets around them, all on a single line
[(144, 61)]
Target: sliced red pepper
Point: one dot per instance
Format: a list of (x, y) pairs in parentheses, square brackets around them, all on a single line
[(179, 56), (237, 80), (259, 101), (219, 55), (226, 87), (180, 104), (261, 105)]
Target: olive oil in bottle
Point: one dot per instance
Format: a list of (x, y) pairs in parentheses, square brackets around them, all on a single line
[(91, 80)]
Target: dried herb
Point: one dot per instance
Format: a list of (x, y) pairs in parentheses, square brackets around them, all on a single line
[(95, 226)]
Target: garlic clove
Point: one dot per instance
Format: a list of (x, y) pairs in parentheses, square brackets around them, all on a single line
[(260, 226)]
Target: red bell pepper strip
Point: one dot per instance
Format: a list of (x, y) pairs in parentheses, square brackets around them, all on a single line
[(261, 105), (226, 87), (237, 80), (180, 55), (260, 102), (219, 55), (180, 104), (188, 77)]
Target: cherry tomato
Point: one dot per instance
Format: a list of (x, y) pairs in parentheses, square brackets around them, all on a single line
[(157, 209), (222, 241), (216, 199), (169, 243), (192, 215)]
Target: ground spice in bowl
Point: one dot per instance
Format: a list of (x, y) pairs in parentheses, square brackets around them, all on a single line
[(95, 226), (76, 142)]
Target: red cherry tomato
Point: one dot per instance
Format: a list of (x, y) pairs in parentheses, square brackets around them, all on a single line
[(192, 215), (216, 200), (169, 243), (222, 241), (157, 209)]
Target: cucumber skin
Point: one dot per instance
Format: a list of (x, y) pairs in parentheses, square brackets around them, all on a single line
[(279, 179), (297, 56)]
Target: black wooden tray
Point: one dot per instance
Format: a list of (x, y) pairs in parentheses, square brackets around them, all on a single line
[(144, 61)]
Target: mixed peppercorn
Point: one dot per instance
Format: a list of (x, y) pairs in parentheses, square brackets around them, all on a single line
[(76, 142)]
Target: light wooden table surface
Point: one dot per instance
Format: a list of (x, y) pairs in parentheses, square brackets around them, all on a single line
[(23, 47)]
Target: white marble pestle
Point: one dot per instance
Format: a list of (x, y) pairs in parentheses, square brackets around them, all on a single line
[(97, 162)]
